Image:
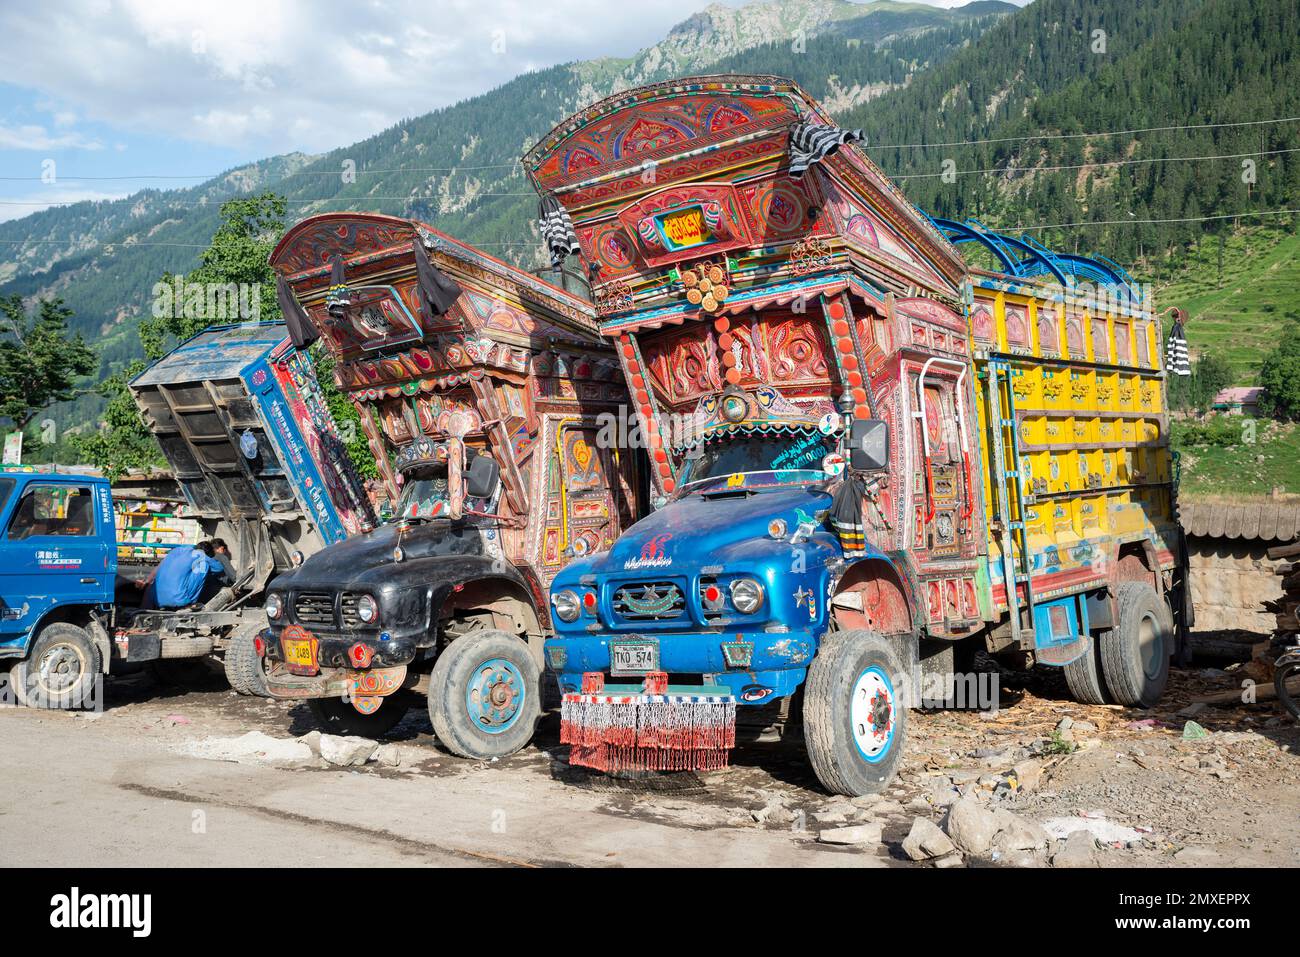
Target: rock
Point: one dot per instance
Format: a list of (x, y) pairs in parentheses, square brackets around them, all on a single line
[(347, 752), (774, 812), (1193, 709), (830, 817), (1018, 834), (866, 800), (1077, 850), (989, 781), (1065, 724), (952, 860), (941, 792), (312, 740), (925, 841), (1087, 727), (918, 804), (855, 834), (1028, 774), (389, 755), (1095, 826), (971, 826), (887, 807)]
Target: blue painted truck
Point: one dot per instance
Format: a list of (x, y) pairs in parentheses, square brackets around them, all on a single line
[(239, 417), (869, 458)]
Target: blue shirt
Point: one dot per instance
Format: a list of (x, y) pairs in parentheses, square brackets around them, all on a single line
[(181, 575)]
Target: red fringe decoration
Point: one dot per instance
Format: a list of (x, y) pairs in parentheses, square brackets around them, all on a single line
[(648, 732)]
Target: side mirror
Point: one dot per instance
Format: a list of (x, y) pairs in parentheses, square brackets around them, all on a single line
[(869, 445), (482, 477)]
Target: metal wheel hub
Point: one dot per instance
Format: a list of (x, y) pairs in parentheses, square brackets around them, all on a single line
[(495, 695), (59, 668)]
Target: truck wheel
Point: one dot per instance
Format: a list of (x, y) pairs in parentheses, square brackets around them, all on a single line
[(60, 671), (1083, 675), (1135, 653), (485, 695), (855, 722), (245, 668), (945, 666), (337, 716)]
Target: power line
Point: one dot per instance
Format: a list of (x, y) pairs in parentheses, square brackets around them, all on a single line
[(903, 176), (1127, 162), (884, 146), (1177, 219), (1069, 136)]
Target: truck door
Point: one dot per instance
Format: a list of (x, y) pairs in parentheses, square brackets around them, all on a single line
[(55, 552), (593, 494)]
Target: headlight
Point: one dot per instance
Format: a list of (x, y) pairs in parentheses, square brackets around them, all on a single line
[(274, 606), (746, 595), (367, 609), (567, 606)]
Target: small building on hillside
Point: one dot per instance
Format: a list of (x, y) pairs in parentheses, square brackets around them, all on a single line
[(1238, 400)]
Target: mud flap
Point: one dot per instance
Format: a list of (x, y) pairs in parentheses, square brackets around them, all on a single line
[(1061, 631)]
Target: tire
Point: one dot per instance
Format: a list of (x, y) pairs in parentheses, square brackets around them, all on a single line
[(485, 695), (1083, 675), (337, 716), (842, 707), (176, 648), (245, 668), (942, 658), (180, 672), (1135, 653), (60, 671), (1288, 699)]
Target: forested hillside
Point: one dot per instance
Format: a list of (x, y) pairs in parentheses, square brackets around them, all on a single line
[(924, 83)]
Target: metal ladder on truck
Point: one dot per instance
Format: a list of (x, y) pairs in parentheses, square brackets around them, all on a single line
[(1011, 497)]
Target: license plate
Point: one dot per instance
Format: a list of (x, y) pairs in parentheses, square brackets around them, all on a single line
[(633, 657), (300, 652)]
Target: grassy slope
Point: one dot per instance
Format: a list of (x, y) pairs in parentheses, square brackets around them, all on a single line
[(1245, 469), (1243, 314)]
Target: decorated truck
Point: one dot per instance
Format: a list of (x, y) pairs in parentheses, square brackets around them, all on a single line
[(869, 457), (240, 419), (481, 389)]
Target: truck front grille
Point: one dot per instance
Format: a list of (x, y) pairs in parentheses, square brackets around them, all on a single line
[(348, 609), (649, 601), (314, 608)]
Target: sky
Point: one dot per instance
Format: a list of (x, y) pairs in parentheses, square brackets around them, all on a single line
[(101, 98)]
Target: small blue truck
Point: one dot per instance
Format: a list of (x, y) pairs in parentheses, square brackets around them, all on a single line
[(240, 419)]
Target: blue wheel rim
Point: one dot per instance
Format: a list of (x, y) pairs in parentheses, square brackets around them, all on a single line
[(495, 696), (873, 714)]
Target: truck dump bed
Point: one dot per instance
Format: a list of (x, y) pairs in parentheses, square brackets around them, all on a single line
[(240, 418)]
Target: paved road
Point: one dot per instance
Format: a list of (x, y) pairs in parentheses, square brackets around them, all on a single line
[(117, 790)]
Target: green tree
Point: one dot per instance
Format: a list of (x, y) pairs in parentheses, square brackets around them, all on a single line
[(239, 253), (1279, 374), (40, 362)]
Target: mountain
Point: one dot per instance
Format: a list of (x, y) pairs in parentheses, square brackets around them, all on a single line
[(455, 167), (905, 73)]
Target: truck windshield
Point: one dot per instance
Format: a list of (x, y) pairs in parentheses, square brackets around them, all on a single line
[(424, 494), (795, 457)]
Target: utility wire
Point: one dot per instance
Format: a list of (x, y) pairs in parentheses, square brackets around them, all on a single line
[(884, 146)]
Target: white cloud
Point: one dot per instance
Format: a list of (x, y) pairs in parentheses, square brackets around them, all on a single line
[(279, 75), (30, 136), (15, 207)]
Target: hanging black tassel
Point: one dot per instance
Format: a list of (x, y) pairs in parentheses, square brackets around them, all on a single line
[(1177, 359), (338, 298), (812, 142), (438, 291), (301, 329), (846, 516), (557, 230)]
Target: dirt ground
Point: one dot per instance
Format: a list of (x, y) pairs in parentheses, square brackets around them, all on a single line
[(172, 776)]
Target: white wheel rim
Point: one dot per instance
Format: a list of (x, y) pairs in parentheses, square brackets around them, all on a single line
[(872, 714)]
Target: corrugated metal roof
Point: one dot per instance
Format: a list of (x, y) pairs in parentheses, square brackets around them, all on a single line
[(1254, 521)]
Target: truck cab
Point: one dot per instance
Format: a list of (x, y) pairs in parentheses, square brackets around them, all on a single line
[(482, 390), (58, 566)]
